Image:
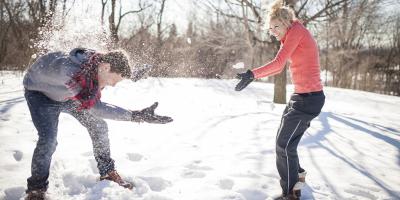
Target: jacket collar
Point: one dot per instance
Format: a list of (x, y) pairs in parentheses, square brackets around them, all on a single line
[(293, 24)]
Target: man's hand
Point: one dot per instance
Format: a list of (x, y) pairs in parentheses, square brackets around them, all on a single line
[(246, 79), (147, 115)]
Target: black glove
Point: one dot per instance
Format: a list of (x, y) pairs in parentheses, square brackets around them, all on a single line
[(147, 115), (246, 79)]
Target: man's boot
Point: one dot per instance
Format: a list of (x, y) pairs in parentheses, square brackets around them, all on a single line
[(115, 177), (39, 194)]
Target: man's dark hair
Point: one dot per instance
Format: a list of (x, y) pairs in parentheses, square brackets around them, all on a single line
[(119, 62)]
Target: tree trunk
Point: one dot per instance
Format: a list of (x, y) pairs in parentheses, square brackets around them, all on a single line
[(111, 19), (103, 7), (159, 23), (280, 87), (280, 79)]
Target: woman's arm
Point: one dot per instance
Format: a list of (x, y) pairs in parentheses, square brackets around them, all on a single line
[(291, 42)]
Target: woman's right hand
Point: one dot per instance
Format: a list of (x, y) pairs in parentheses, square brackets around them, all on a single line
[(246, 78)]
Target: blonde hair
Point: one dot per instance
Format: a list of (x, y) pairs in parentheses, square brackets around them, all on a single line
[(281, 12)]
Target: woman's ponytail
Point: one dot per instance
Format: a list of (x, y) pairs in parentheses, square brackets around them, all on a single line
[(281, 12)]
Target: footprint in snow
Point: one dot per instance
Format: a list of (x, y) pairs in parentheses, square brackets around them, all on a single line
[(198, 167), (157, 184), (18, 155), (14, 193), (195, 165), (226, 184), (134, 157), (192, 174), (253, 194), (194, 170)]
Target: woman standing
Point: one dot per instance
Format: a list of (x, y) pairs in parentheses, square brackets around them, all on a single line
[(299, 47)]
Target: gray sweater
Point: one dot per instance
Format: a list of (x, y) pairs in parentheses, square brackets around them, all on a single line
[(51, 73)]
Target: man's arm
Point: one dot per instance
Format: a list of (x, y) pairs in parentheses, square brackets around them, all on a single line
[(109, 111)]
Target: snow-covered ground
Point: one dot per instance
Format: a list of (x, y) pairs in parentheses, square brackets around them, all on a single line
[(219, 147)]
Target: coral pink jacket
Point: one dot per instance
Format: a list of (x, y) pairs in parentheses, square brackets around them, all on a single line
[(299, 47)]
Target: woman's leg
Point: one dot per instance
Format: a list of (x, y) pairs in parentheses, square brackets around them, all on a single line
[(296, 119), (287, 161)]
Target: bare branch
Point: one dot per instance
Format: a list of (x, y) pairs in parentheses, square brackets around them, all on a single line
[(237, 17), (255, 10), (103, 7), (130, 12), (327, 6), (66, 13), (159, 21), (301, 7), (229, 15)]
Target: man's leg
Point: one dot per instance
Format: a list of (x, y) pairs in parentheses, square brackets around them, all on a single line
[(44, 113), (98, 131)]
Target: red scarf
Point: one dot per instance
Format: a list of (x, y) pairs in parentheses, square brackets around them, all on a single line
[(88, 80)]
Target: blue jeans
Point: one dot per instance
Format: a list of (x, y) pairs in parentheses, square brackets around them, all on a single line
[(45, 113), (296, 118)]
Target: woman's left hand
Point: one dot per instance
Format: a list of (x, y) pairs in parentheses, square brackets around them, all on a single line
[(246, 78)]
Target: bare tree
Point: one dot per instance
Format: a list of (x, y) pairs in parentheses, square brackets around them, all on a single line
[(4, 29), (103, 8), (353, 25), (114, 26), (159, 22), (14, 10)]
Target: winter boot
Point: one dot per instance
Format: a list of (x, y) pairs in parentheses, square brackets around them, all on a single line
[(114, 176), (294, 195), (39, 194), (302, 176)]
